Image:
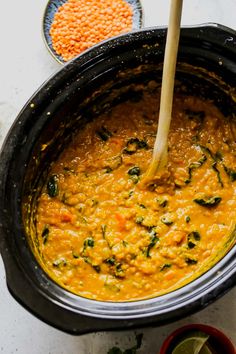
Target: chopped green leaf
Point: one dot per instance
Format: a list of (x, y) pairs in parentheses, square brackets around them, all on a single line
[(115, 266), (130, 193), (190, 261), (208, 202), (231, 173), (133, 145), (166, 220), (112, 287), (60, 262), (153, 240), (135, 179), (45, 234), (108, 169), (96, 267), (104, 134), (191, 244), (218, 156), (142, 206), (215, 168), (194, 235), (94, 202), (119, 272), (134, 171), (104, 227), (75, 255), (88, 242), (207, 150), (139, 219), (162, 201), (110, 260), (193, 238), (113, 163), (193, 166), (52, 186), (187, 219), (125, 244), (165, 266), (215, 157)]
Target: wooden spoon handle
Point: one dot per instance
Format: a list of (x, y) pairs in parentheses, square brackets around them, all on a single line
[(159, 159)]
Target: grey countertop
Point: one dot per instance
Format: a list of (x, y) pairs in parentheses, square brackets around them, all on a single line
[(25, 65)]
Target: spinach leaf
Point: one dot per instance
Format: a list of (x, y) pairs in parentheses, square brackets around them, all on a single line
[(134, 174), (193, 166), (142, 206), (88, 242), (96, 267), (165, 266), (208, 202), (215, 157), (193, 238), (60, 262), (110, 260), (139, 220), (103, 133), (75, 255), (52, 186), (118, 271), (108, 169), (134, 171), (187, 219), (153, 240), (162, 201), (167, 221), (104, 229), (190, 261), (115, 266), (133, 145), (231, 173), (191, 244), (45, 234), (113, 163), (194, 235), (214, 167)]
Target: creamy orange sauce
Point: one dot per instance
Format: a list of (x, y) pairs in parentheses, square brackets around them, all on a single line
[(103, 237)]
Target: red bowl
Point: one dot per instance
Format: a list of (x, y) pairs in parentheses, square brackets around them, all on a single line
[(221, 341)]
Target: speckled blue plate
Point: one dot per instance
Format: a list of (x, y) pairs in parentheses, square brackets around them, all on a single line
[(52, 7)]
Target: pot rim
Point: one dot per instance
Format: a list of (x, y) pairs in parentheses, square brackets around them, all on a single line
[(101, 309)]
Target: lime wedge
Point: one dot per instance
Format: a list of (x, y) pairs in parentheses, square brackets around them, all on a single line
[(191, 344), (206, 350)]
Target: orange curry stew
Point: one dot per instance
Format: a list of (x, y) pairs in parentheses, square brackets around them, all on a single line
[(103, 237)]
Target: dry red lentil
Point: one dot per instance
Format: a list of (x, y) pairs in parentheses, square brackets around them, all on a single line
[(79, 24)]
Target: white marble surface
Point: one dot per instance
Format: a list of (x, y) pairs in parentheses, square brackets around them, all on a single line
[(25, 64)]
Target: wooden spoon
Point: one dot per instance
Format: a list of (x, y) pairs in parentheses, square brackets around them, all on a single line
[(159, 157)]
